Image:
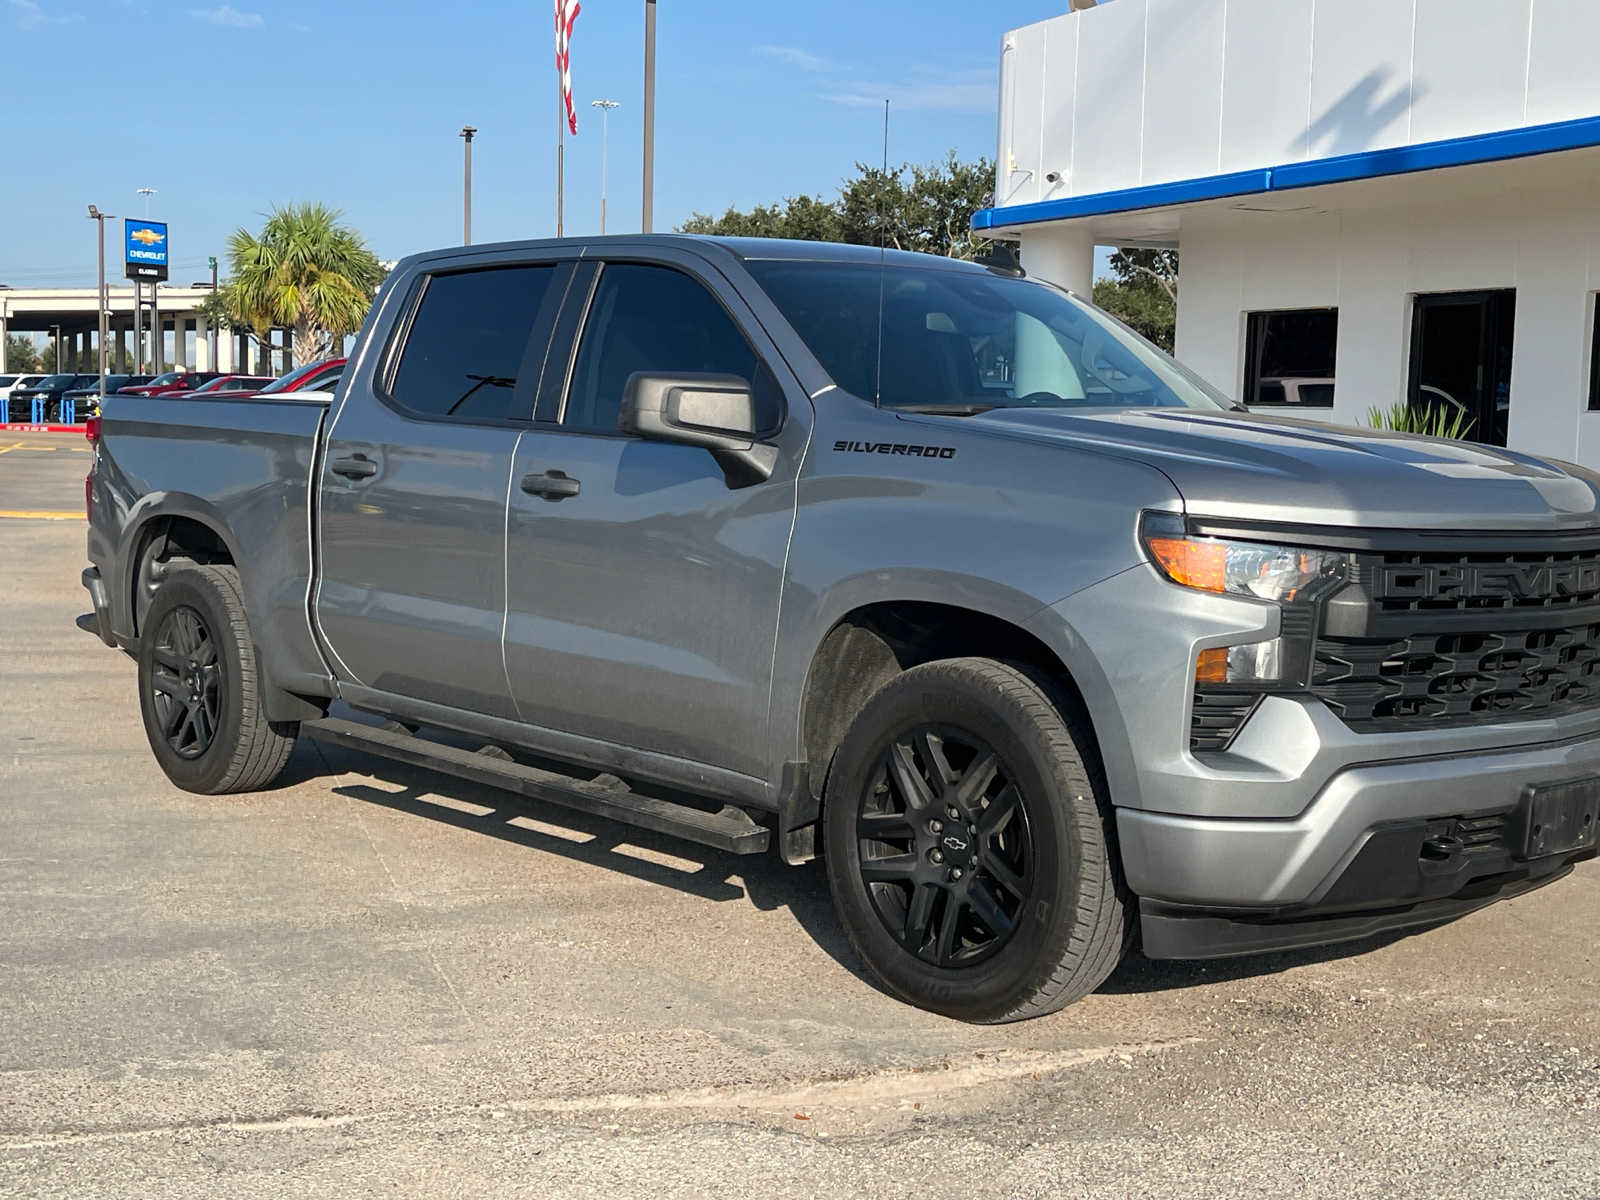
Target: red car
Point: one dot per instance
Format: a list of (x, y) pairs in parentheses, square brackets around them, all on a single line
[(320, 376), (226, 385), (172, 381)]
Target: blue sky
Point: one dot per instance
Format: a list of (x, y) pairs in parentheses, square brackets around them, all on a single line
[(250, 104)]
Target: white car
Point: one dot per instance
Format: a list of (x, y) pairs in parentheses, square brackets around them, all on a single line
[(12, 383)]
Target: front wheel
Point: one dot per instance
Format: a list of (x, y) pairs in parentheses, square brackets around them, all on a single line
[(199, 689), (969, 846)]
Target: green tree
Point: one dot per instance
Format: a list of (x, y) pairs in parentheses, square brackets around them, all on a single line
[(909, 207), (305, 272), (21, 357), (1143, 293)]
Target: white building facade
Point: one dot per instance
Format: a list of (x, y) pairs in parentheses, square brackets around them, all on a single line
[(1375, 201)]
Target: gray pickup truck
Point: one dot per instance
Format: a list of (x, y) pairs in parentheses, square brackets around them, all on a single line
[(922, 566)]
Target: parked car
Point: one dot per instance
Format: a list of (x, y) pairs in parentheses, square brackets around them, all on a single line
[(173, 381), (50, 389), (85, 399), (244, 385), (11, 383), (312, 377), (1095, 656)]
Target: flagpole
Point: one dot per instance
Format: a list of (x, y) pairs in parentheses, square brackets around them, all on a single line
[(561, 157)]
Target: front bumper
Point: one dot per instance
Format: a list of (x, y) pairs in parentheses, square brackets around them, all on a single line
[(1294, 862), (1383, 847)]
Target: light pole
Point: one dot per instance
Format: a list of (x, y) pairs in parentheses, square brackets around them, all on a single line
[(466, 184), (138, 300), (211, 334), (100, 219), (605, 107), (648, 215)]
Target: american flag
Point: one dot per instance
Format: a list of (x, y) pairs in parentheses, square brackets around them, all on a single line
[(566, 18)]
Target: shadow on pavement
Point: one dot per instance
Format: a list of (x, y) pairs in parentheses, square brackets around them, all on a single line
[(768, 884), (762, 880), (1139, 974)]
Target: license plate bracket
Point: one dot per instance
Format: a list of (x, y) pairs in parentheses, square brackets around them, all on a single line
[(1562, 817)]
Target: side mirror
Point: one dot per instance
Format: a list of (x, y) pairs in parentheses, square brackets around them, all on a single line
[(717, 412)]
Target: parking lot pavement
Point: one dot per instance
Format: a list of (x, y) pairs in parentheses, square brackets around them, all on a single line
[(375, 978)]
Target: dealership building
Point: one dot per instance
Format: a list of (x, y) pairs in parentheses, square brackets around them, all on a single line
[(1375, 201)]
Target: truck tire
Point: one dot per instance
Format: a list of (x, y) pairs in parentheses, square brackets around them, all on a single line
[(969, 844), (199, 690)]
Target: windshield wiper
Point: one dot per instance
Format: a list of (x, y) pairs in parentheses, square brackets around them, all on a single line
[(947, 410)]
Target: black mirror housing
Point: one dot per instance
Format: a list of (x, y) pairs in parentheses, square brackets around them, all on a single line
[(717, 412)]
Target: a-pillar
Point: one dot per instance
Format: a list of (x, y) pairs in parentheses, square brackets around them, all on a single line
[(1062, 255)]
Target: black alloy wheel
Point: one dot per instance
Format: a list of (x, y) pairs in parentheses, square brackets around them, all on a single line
[(969, 844), (186, 683), (946, 849)]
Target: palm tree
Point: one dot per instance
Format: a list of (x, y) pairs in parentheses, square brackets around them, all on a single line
[(305, 272)]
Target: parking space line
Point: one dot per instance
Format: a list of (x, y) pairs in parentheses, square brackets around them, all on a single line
[(24, 514), (9, 449)]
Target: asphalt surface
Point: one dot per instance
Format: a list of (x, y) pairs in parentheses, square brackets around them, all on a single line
[(375, 980)]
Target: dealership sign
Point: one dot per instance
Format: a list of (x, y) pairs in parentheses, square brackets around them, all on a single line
[(145, 254)]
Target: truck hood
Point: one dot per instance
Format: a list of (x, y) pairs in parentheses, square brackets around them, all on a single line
[(1246, 466)]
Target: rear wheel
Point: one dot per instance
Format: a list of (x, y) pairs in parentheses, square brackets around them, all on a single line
[(969, 847), (199, 690)]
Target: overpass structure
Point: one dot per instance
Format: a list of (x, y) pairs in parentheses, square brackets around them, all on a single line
[(184, 338)]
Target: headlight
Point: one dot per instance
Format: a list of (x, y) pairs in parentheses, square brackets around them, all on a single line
[(1258, 570)]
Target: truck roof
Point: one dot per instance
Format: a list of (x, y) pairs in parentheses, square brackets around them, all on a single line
[(744, 248)]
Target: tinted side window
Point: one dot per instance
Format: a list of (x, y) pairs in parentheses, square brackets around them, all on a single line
[(650, 319), (466, 344)]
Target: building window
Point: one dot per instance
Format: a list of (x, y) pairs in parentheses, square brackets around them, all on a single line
[(1594, 354), (1289, 357)]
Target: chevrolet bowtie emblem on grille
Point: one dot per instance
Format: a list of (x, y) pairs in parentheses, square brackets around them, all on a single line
[(148, 236)]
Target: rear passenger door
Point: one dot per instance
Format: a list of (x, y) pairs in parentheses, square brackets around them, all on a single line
[(642, 608), (413, 491)]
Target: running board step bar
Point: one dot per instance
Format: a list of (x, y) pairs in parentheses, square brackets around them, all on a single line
[(730, 829)]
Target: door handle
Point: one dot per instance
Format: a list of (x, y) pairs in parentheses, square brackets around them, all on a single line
[(357, 466), (552, 485)]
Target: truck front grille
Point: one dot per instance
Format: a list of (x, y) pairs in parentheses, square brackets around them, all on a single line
[(1432, 630), (1458, 678)]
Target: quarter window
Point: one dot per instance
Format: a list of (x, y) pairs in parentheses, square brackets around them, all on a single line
[(1289, 357), (464, 353), (654, 319)]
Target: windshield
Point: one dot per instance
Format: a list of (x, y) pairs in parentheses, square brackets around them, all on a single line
[(51, 382), (968, 341), (169, 377)]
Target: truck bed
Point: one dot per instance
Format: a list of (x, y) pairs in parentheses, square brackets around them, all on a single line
[(242, 467)]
